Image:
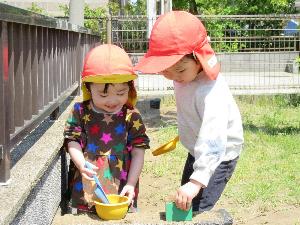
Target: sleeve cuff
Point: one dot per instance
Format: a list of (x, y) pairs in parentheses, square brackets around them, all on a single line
[(202, 176)]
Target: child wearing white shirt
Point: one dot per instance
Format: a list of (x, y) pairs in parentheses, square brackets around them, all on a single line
[(209, 121)]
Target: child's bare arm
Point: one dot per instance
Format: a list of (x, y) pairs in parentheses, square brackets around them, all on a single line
[(136, 167), (77, 157)]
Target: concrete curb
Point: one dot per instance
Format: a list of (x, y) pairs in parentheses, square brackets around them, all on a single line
[(33, 192)]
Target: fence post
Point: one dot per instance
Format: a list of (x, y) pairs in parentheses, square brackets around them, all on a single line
[(108, 29), (79, 60), (76, 12), (4, 124), (151, 16)]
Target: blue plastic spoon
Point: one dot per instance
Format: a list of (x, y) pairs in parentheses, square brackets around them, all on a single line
[(98, 190)]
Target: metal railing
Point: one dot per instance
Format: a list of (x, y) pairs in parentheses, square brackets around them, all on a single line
[(259, 54), (228, 33), (40, 64)]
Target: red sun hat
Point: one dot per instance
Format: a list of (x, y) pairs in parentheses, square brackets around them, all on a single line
[(174, 35), (108, 63)]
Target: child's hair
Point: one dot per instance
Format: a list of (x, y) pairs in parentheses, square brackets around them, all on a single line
[(88, 85)]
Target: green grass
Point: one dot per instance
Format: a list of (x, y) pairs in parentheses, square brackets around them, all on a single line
[(170, 163), (268, 171)]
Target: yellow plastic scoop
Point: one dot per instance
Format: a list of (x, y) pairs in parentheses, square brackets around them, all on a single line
[(171, 145)]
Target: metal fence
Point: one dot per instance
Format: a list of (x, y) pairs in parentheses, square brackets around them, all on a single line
[(259, 54), (40, 63)]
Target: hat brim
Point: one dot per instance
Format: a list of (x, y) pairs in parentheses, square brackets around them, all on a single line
[(205, 54), (156, 64), (111, 78)]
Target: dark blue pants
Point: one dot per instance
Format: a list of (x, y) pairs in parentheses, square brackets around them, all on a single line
[(207, 197)]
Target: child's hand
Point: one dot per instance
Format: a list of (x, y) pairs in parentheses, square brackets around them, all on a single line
[(128, 190), (87, 173), (186, 193)]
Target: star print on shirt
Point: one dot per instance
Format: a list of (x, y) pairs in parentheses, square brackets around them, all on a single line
[(120, 164), (71, 120), (120, 129), (92, 148), (129, 148), (78, 186), (78, 107), (113, 158), (77, 129), (94, 129), (128, 116), (82, 207), (119, 147), (107, 174), (76, 134), (107, 119), (120, 114), (86, 118), (106, 138), (107, 153), (137, 124), (123, 175)]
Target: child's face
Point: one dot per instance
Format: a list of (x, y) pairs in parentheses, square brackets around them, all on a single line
[(184, 71), (112, 99)]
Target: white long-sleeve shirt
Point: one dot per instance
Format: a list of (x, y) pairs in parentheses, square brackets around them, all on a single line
[(209, 124)]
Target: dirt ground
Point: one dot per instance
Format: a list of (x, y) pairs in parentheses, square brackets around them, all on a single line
[(154, 191)]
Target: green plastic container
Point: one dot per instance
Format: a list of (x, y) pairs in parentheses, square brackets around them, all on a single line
[(175, 214)]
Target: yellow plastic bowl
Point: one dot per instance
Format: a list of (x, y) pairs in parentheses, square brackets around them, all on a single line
[(116, 210)]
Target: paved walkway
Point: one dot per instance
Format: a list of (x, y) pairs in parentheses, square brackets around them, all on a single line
[(239, 82)]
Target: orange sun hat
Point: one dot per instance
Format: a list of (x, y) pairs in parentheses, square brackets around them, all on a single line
[(108, 63), (174, 35)]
